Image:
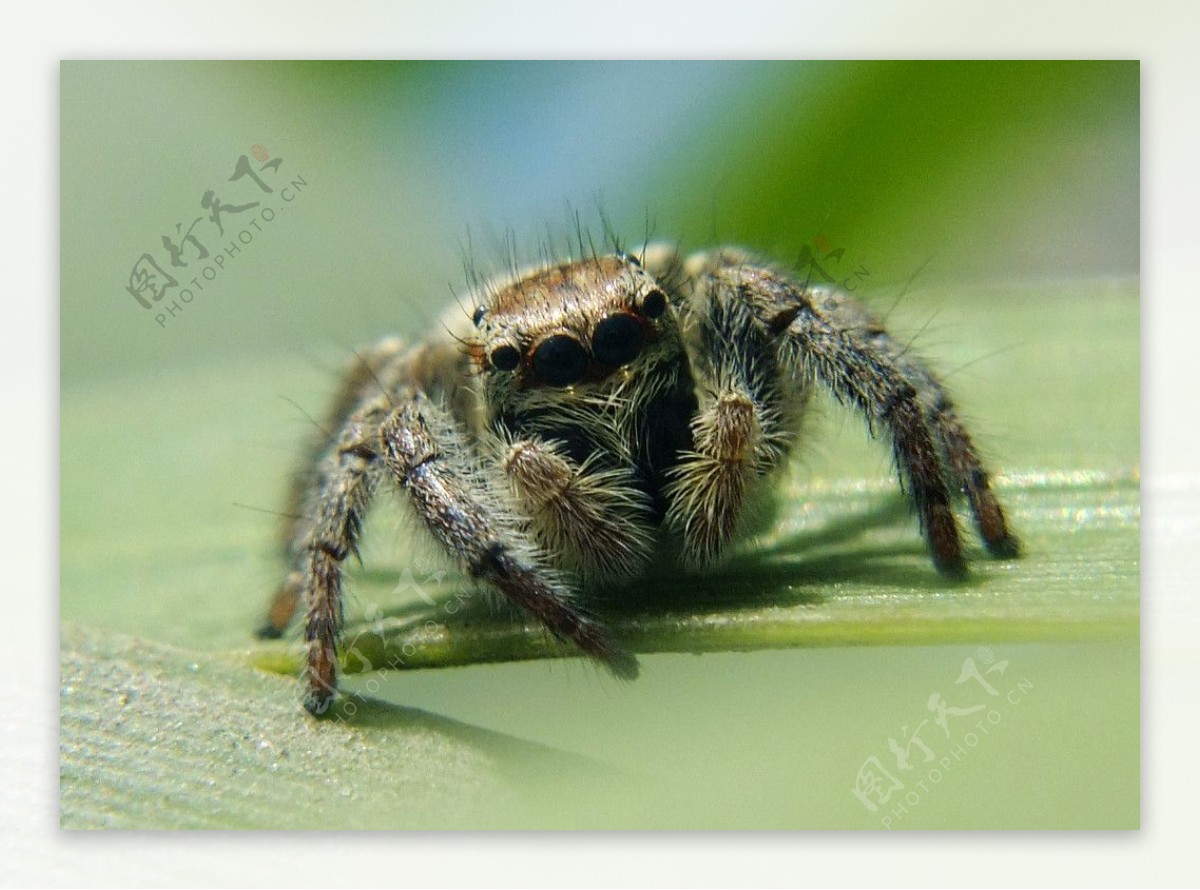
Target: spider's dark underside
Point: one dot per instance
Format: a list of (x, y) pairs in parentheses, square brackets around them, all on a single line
[(591, 412)]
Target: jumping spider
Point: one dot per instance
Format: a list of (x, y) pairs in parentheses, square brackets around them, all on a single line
[(595, 414)]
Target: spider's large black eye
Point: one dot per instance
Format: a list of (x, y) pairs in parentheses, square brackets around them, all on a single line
[(560, 360), (654, 304), (618, 340), (505, 358)]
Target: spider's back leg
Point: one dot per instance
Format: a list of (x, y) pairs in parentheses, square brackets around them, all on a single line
[(364, 380), (349, 476), (965, 467)]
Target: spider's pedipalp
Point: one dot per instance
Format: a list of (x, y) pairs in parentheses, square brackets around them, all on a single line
[(746, 421), (710, 483), (595, 518)]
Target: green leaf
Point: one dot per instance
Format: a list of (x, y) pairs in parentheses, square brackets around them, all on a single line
[(154, 736), (183, 733), (850, 572)]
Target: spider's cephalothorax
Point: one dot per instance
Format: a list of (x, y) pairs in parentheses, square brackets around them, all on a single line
[(603, 410)]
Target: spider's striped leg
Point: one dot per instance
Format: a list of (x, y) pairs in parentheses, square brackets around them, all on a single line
[(350, 475), (473, 521), (362, 382), (827, 338), (958, 451)]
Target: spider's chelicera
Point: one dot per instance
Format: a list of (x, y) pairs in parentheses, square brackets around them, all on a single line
[(591, 414)]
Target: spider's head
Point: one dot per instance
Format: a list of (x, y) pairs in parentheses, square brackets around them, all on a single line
[(586, 324)]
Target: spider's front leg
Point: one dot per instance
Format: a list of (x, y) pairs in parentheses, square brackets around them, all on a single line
[(471, 520), (819, 335)]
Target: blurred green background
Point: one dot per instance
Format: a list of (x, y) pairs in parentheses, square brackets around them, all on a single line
[(994, 209)]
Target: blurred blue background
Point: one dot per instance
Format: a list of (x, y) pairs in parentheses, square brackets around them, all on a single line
[(961, 172)]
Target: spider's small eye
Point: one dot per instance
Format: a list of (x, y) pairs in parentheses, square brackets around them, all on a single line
[(560, 360), (480, 311), (654, 304), (505, 358), (617, 340)]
